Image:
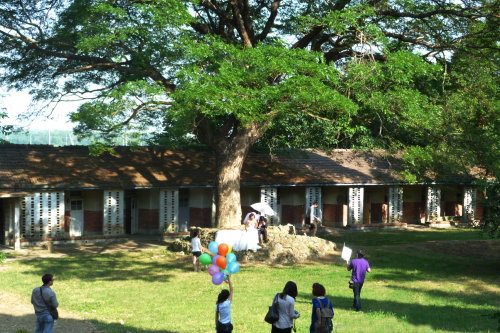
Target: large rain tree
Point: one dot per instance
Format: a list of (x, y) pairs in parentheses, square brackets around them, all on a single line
[(227, 72)]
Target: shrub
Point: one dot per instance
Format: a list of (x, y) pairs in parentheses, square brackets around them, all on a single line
[(3, 256)]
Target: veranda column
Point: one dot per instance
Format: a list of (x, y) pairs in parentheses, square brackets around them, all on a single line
[(113, 213), (356, 197), (470, 197), (269, 195), (17, 224), (53, 213), (395, 204), (169, 210), (42, 215), (433, 206)]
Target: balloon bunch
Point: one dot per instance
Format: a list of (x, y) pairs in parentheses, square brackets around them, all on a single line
[(223, 263)]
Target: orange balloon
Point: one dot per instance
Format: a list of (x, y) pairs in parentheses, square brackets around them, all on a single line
[(221, 262), (223, 249)]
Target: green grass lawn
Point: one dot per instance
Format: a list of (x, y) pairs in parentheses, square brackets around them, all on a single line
[(411, 289)]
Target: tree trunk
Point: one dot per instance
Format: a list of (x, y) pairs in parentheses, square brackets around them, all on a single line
[(230, 155)]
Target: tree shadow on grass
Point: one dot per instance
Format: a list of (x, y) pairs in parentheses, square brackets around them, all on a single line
[(454, 296), (117, 266), (26, 323), (439, 317), (416, 264)]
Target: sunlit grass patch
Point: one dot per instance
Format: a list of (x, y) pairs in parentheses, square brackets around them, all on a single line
[(411, 289)]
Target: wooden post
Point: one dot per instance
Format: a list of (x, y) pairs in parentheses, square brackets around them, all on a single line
[(50, 247)]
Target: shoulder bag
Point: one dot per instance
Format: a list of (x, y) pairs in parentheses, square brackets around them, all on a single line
[(272, 314), (53, 311)]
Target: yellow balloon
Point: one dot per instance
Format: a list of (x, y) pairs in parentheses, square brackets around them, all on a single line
[(229, 249)]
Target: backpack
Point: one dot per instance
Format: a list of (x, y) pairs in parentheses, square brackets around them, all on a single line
[(325, 323)]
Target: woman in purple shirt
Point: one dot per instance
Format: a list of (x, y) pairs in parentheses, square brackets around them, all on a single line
[(359, 267)]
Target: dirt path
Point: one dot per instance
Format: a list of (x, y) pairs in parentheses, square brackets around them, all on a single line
[(17, 315)]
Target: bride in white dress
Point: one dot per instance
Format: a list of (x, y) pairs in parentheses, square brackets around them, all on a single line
[(250, 238)]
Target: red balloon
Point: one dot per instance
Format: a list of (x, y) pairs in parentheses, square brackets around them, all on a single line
[(223, 249), (221, 262)]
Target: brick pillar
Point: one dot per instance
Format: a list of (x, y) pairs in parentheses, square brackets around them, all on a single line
[(356, 197), (395, 204), (169, 210), (269, 195), (433, 208), (17, 224), (469, 206)]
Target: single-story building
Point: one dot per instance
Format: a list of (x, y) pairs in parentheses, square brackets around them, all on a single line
[(64, 193)]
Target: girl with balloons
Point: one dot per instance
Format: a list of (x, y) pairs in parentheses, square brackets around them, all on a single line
[(223, 264), (223, 309)]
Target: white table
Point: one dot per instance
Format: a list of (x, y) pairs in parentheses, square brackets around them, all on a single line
[(240, 240)]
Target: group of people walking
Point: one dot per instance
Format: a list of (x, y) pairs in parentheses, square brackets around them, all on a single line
[(45, 303), (285, 305), (322, 308)]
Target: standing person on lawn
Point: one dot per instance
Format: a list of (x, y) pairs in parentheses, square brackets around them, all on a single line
[(359, 267), (313, 217), (286, 309), (196, 249), (43, 299), (318, 302), (223, 310)]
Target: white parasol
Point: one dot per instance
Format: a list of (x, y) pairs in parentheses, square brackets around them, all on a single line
[(263, 208)]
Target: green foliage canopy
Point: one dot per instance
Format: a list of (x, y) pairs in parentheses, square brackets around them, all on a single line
[(228, 74)]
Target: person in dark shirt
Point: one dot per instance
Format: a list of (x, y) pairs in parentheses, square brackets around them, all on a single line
[(43, 299), (359, 267), (262, 229)]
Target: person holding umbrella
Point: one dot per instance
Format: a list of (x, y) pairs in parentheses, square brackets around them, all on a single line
[(262, 229)]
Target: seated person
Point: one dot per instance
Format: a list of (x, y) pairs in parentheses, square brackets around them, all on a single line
[(262, 228)]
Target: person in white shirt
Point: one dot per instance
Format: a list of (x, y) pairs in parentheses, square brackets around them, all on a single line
[(223, 322), (196, 249), (313, 217), (286, 309)]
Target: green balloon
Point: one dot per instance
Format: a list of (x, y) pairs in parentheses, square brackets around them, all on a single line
[(205, 259)]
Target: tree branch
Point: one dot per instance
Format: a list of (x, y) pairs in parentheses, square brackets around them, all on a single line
[(460, 13), (413, 40), (304, 41), (240, 24), (270, 21), (134, 114)]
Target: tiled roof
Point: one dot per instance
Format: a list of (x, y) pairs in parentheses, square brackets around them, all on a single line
[(345, 166), (25, 167)]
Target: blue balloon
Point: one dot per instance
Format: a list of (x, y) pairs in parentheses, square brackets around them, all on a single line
[(213, 247), (230, 257), (233, 267), (218, 278), (214, 260)]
